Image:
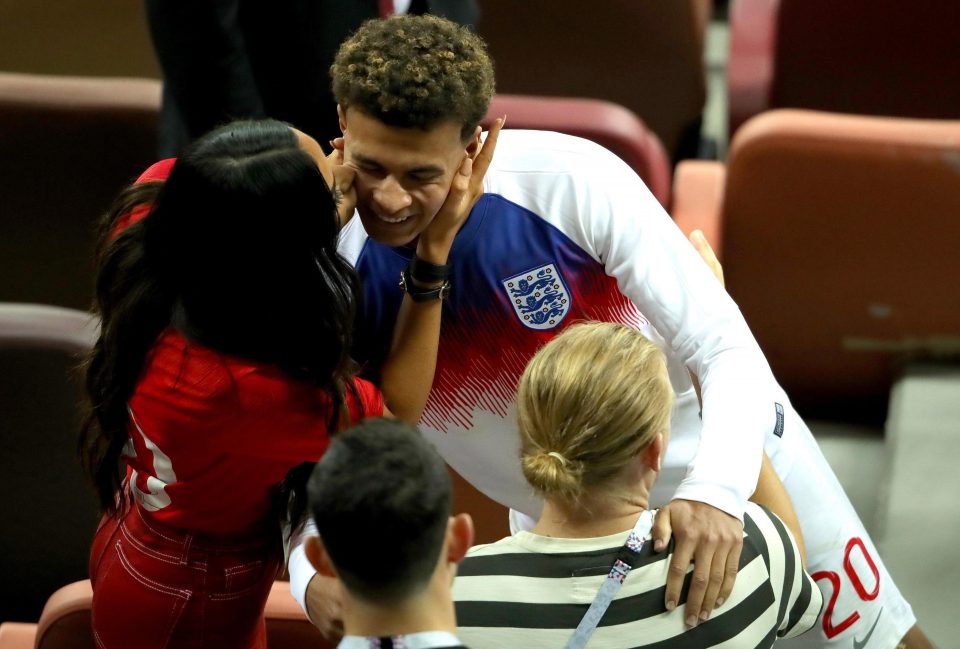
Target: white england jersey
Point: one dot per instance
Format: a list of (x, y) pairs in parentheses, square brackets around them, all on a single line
[(566, 231)]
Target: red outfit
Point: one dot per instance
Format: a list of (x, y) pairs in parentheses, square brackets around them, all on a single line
[(211, 436), (155, 587), (214, 434)]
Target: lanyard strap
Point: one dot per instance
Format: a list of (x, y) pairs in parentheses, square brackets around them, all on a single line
[(611, 585)]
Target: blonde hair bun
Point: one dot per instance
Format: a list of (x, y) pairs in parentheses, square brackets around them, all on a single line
[(587, 404), (550, 472)]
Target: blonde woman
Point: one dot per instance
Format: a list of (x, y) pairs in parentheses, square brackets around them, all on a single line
[(594, 417)]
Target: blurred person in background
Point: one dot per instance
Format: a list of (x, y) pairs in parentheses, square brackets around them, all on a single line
[(230, 59)]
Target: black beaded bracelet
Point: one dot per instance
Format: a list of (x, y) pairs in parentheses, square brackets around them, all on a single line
[(427, 273)]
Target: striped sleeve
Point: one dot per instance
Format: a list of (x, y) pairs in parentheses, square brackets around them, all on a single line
[(799, 599)]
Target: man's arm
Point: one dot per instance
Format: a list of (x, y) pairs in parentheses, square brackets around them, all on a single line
[(318, 596), (771, 493), (617, 219)]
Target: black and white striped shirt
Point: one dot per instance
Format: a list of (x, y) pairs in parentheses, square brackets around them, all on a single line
[(531, 591)]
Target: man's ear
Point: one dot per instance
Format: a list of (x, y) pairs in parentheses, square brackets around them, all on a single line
[(342, 114), (653, 454), (459, 537), (473, 144), (318, 557)]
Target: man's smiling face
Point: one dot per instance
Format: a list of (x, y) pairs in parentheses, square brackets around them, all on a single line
[(403, 175)]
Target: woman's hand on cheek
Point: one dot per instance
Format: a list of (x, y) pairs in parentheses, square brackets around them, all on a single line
[(343, 182), (465, 189)]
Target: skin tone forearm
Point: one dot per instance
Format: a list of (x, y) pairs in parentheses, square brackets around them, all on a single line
[(408, 372), (771, 493)]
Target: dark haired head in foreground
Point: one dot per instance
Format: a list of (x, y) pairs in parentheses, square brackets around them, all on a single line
[(381, 498)]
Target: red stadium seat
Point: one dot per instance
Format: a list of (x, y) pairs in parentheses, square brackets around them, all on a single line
[(106, 38), (646, 56), (65, 623), (48, 512), (871, 57), (839, 238), (17, 635), (608, 124), (69, 145)]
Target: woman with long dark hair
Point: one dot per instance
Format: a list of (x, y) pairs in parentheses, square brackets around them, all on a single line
[(223, 367)]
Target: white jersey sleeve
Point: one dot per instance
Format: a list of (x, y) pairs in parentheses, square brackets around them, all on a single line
[(597, 201)]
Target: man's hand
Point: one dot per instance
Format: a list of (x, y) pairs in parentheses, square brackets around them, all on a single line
[(710, 539), (466, 189), (709, 257), (324, 601)]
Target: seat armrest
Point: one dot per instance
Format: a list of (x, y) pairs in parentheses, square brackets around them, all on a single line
[(66, 618), (698, 199), (17, 635)]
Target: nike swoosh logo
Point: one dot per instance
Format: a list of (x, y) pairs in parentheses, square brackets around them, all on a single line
[(860, 644)]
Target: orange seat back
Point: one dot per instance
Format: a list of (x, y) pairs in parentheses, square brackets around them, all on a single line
[(840, 244)]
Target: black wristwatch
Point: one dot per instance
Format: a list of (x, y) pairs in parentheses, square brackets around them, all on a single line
[(418, 294), (427, 273)]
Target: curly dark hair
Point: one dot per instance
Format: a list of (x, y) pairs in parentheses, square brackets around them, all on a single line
[(415, 71)]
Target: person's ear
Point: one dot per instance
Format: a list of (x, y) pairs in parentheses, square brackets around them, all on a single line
[(473, 144), (342, 114), (318, 557), (653, 453), (459, 537)]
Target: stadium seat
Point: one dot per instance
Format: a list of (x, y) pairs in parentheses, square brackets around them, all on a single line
[(646, 56), (839, 238), (107, 38), (17, 635), (70, 144), (871, 57), (603, 122), (65, 622), (48, 513)]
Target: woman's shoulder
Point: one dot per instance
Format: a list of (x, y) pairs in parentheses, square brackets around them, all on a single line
[(184, 365), (188, 370)]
